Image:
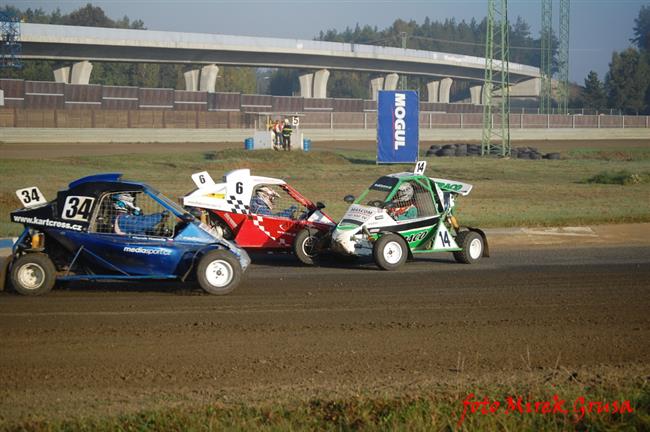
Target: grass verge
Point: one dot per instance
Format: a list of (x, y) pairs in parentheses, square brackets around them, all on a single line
[(550, 406), (507, 192)]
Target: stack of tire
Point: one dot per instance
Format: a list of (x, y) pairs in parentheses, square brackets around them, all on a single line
[(448, 150)]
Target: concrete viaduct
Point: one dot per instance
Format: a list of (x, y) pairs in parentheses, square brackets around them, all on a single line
[(84, 45)]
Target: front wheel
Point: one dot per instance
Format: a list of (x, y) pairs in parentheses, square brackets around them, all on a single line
[(390, 252), (33, 274), (218, 272), (305, 246), (473, 246)]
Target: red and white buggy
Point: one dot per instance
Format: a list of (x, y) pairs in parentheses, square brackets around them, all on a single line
[(285, 220)]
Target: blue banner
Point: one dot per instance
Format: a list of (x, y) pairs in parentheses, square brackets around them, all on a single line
[(398, 126)]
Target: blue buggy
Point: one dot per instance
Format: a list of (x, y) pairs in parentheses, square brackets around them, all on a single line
[(106, 228)]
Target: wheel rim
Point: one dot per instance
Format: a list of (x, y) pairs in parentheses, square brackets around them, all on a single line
[(31, 276), (475, 248), (393, 252), (219, 273), (308, 246)]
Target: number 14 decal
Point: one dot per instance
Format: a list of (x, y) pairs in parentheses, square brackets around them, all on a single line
[(444, 238)]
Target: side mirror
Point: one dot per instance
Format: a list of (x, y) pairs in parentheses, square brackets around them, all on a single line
[(349, 199), (320, 205)]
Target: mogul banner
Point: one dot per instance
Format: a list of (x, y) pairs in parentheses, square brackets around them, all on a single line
[(397, 126)]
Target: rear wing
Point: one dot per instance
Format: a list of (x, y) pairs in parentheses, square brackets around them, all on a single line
[(453, 186)]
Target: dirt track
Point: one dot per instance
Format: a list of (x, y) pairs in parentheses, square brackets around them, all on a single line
[(294, 332)]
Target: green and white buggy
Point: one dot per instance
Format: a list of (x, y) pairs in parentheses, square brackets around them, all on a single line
[(404, 214)]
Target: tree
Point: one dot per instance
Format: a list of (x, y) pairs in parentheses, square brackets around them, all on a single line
[(627, 81), (642, 29), (593, 95), (90, 16)]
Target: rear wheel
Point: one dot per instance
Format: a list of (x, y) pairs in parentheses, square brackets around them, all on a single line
[(473, 246), (305, 246), (218, 272), (33, 274), (390, 252)]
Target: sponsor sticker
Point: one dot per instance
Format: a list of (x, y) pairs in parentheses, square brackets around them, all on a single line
[(147, 251), (33, 220)]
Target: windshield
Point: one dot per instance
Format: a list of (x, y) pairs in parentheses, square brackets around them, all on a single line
[(378, 192), (180, 211)]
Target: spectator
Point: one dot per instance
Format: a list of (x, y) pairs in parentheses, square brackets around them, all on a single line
[(287, 130)]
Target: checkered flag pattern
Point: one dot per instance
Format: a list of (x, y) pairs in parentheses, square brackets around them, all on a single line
[(237, 206), (258, 222)]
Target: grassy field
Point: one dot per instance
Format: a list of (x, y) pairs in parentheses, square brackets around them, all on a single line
[(507, 192), (581, 402)]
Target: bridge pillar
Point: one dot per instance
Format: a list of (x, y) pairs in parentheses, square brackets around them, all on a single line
[(306, 85), (475, 93), (376, 84), (208, 78), (320, 83), (390, 82), (432, 91), (191, 80), (62, 74), (445, 87), (81, 72)]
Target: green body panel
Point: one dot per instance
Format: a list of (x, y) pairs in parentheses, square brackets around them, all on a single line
[(418, 239)]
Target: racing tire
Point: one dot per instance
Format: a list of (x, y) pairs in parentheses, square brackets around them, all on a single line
[(473, 247), (305, 246), (390, 252), (33, 274), (218, 272)]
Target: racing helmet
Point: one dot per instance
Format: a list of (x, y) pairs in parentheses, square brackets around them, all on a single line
[(404, 193), (267, 195), (125, 203)]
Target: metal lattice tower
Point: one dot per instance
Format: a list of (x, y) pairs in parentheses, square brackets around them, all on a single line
[(496, 90), (563, 58), (545, 97), (10, 48)]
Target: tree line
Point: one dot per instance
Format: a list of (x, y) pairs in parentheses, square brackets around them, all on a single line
[(626, 85), (119, 74)]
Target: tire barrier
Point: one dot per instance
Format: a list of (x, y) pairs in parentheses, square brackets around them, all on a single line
[(460, 150)]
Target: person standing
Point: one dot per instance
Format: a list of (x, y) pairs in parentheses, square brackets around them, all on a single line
[(287, 130), (277, 131)]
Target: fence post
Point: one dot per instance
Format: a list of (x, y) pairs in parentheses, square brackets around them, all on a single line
[(461, 120), (431, 124), (331, 120), (598, 117), (623, 121), (646, 122), (521, 120), (573, 121), (548, 121), (365, 120)]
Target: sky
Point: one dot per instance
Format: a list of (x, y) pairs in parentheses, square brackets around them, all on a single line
[(598, 27)]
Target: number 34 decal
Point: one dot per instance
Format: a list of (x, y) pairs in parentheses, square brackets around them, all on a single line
[(31, 197), (77, 208)]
